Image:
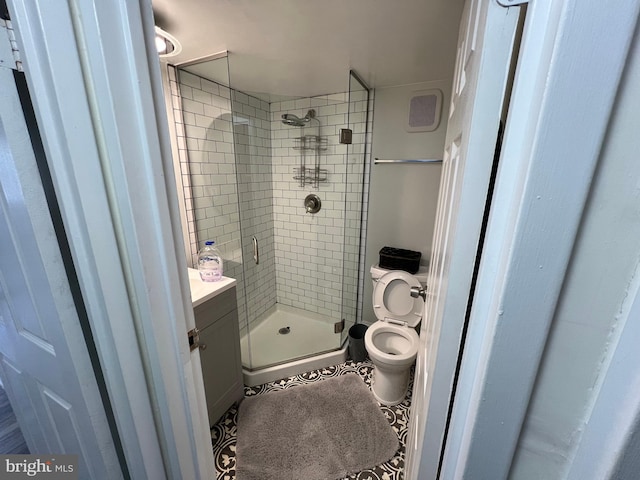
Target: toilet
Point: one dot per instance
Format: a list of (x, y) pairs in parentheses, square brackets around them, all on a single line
[(392, 341)]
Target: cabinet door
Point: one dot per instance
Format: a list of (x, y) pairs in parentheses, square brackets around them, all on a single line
[(215, 308), (221, 365)]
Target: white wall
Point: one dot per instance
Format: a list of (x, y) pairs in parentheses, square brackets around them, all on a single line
[(593, 306), (402, 197)]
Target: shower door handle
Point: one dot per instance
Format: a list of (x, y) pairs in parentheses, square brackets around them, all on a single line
[(256, 253)]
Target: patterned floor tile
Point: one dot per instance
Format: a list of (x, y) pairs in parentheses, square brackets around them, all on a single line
[(223, 434)]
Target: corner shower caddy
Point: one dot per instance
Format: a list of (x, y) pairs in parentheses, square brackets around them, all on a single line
[(310, 175)]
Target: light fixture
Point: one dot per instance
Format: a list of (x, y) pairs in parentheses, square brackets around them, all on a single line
[(166, 44), (162, 45)]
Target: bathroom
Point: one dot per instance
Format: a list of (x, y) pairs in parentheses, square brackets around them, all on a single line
[(381, 215), (239, 170), (119, 207), (349, 97)]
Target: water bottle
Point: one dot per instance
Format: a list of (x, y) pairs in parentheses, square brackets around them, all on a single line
[(210, 262)]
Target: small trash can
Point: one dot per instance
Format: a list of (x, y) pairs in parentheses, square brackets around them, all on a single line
[(357, 352)]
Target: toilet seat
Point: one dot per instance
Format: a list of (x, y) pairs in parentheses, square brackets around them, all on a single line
[(391, 344), (392, 301)]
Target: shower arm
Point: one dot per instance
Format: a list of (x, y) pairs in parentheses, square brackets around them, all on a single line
[(319, 124)]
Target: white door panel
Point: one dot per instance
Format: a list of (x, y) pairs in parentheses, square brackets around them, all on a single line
[(44, 362), (485, 43), (112, 171)]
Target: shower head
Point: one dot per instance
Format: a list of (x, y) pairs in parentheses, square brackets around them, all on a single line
[(295, 121)]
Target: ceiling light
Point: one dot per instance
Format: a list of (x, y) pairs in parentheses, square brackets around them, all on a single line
[(166, 44), (161, 44)]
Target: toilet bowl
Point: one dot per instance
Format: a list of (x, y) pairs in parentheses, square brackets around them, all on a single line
[(392, 341)]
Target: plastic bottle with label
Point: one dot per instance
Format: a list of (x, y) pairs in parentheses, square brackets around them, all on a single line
[(210, 262)]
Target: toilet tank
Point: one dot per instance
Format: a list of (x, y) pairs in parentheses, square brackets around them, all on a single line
[(421, 274)]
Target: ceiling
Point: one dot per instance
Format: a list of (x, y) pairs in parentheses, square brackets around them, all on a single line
[(306, 47)]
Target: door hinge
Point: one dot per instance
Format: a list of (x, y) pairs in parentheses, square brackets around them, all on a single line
[(9, 53), (346, 135), (511, 3), (338, 326), (194, 339)]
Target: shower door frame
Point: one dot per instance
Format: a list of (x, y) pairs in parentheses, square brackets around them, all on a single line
[(366, 160)]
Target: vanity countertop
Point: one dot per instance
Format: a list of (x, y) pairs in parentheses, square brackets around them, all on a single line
[(203, 291)]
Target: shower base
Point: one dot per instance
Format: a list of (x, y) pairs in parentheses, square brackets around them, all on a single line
[(309, 344)]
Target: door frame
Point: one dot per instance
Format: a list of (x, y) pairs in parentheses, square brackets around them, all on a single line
[(544, 176), (94, 77)]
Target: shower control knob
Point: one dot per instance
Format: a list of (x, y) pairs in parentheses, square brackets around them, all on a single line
[(312, 203), (419, 292)]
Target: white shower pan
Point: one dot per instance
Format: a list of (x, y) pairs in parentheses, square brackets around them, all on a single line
[(267, 344)]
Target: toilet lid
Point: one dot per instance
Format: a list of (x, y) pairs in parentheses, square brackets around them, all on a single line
[(392, 301)]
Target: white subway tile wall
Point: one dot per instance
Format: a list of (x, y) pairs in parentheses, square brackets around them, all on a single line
[(238, 169), (309, 247), (317, 254)]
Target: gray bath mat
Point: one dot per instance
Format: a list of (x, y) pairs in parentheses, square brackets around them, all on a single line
[(320, 431)]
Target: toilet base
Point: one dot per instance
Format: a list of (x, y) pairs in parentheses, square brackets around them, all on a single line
[(390, 387)]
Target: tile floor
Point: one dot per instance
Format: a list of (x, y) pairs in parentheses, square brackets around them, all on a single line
[(223, 434)]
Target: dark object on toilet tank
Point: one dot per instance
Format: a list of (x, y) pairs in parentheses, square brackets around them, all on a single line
[(399, 259)]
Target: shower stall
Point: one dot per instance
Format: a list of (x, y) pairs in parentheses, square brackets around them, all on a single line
[(269, 180)]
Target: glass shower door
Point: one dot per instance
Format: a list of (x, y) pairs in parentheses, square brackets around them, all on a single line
[(207, 162), (254, 175), (357, 173)]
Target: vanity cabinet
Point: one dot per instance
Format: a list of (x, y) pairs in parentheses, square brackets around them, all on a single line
[(217, 321)]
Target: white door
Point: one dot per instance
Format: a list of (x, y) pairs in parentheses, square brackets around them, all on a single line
[(485, 44), (44, 362), (109, 154)]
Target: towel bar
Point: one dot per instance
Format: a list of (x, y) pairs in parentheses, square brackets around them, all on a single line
[(420, 160)]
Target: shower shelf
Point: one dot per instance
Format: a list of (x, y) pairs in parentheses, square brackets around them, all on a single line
[(311, 176), (315, 143)]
